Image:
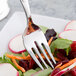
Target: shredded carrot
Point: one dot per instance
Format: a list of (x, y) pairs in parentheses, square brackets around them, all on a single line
[(57, 59), (68, 64), (75, 67), (30, 27), (18, 57), (19, 67), (50, 57), (28, 57), (14, 57), (59, 65), (50, 40)]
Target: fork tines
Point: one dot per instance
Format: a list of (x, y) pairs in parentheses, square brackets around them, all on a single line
[(34, 41)]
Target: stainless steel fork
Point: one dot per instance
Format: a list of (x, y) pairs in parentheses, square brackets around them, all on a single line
[(38, 37)]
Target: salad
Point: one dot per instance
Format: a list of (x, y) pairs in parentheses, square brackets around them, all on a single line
[(18, 62)]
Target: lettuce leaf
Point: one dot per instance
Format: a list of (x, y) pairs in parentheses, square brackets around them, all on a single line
[(61, 44), (43, 28), (10, 53)]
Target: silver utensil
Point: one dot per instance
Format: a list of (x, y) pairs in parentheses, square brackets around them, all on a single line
[(35, 38)]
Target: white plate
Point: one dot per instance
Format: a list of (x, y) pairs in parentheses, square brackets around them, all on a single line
[(17, 24)]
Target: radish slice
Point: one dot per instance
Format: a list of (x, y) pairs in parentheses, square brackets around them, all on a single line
[(69, 34), (7, 69), (71, 26), (16, 45)]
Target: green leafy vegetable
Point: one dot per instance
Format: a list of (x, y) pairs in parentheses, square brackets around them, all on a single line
[(30, 72), (43, 28), (45, 72), (4, 59), (38, 69), (26, 53), (10, 53), (67, 50), (60, 44), (20, 73)]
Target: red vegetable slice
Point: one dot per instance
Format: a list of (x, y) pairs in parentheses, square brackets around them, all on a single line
[(68, 34), (7, 69), (71, 26), (16, 44)]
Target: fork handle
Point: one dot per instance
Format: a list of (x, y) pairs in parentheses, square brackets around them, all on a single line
[(26, 8), (32, 27)]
